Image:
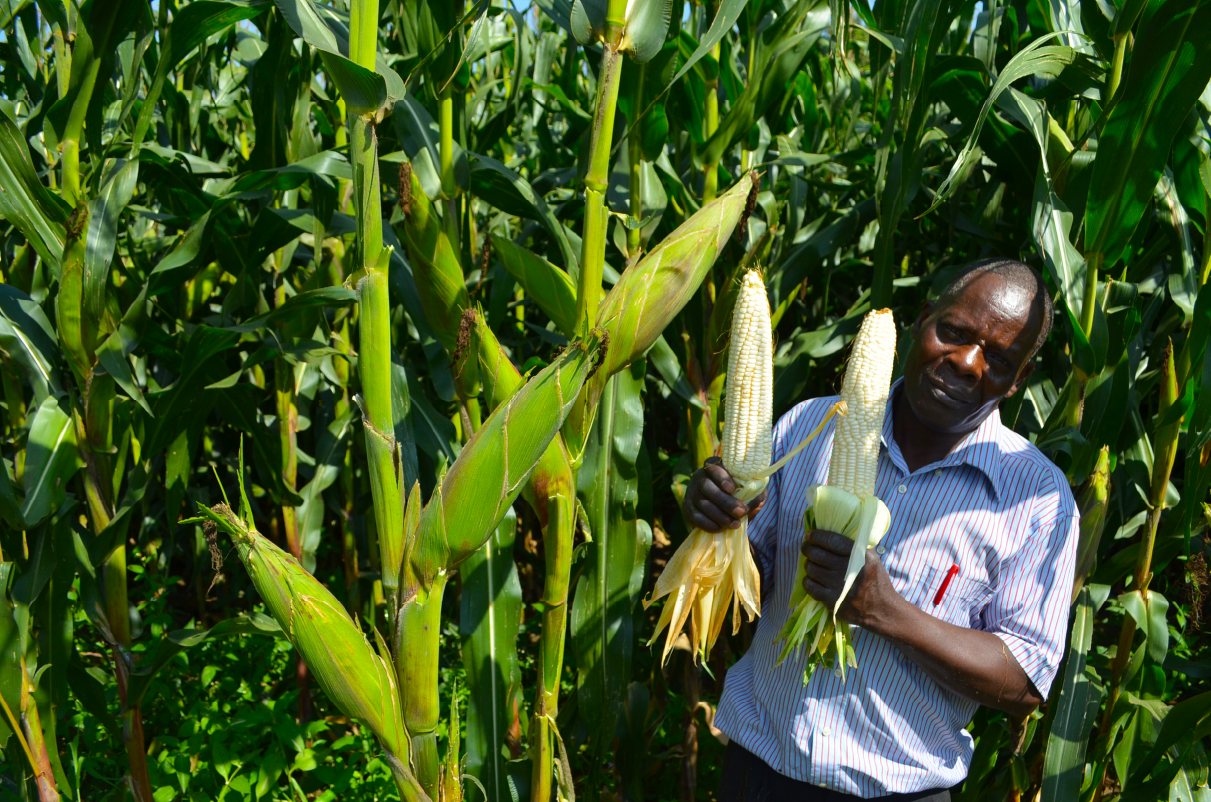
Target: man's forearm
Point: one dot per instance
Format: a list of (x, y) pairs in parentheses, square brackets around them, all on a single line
[(973, 664)]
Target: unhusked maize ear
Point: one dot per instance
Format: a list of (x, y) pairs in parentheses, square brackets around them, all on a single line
[(358, 680), (864, 390), (748, 416)]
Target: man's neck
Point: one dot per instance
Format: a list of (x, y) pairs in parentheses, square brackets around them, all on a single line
[(919, 445)]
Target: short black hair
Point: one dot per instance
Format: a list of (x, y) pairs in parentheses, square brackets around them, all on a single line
[(1019, 274)]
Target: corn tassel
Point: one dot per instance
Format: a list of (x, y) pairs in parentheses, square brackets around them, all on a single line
[(847, 504), (711, 572)]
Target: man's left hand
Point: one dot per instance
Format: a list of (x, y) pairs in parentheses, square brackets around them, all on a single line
[(827, 556)]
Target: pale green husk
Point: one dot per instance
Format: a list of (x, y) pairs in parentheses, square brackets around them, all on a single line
[(863, 520)]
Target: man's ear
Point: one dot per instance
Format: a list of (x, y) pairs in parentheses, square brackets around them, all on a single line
[(927, 309), (1023, 375)]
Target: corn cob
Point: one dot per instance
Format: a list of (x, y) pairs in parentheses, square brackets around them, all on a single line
[(711, 571), (358, 680), (847, 504)]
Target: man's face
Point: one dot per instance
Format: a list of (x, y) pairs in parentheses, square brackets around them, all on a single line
[(969, 355)]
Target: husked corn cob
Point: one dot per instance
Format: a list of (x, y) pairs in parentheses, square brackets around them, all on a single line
[(847, 504), (748, 414), (711, 572), (864, 390)]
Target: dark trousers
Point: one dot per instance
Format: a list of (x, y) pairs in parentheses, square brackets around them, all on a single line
[(747, 778)]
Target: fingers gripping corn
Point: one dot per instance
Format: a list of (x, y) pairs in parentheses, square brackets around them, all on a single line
[(847, 504)]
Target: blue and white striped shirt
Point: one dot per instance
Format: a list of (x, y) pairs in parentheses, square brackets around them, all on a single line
[(998, 509)]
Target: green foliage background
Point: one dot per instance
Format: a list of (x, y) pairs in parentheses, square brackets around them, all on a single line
[(179, 266)]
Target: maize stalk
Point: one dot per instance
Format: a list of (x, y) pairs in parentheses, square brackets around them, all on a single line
[(711, 572), (360, 681), (464, 510), (847, 504), (551, 493)]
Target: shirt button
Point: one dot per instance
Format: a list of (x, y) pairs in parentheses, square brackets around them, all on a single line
[(902, 488), (938, 472), (880, 550), (826, 732), (836, 673)]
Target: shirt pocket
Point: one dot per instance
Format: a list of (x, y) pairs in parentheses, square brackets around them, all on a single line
[(960, 604)]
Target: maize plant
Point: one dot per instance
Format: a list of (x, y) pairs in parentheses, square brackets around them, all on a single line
[(469, 284)]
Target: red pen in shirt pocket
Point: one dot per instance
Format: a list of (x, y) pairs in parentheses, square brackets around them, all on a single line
[(951, 574)]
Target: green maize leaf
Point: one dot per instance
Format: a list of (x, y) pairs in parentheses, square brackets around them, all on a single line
[(647, 24), (610, 587), (493, 466), (1150, 617), (490, 616), (588, 20), (1037, 59), (103, 213), (1186, 722), (52, 459), (435, 266), (178, 265), (112, 353), (1079, 699), (357, 679), (1169, 68), (419, 135), (777, 67), (27, 336), (191, 26), (365, 91), (12, 650), (1051, 218), (545, 284), (329, 460), (39, 214), (178, 401), (10, 506), (509, 192)]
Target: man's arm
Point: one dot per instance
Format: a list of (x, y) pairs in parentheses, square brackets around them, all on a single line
[(973, 664)]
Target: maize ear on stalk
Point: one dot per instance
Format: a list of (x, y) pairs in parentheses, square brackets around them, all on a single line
[(711, 572), (360, 681), (847, 504)]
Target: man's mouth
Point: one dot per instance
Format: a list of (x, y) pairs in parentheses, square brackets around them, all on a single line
[(944, 394)]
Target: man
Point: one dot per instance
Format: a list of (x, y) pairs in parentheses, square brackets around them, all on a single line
[(964, 602)]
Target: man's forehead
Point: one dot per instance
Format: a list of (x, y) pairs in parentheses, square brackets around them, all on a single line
[(998, 303), (994, 293)]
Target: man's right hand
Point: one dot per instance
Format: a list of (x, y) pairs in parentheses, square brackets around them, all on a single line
[(709, 504)]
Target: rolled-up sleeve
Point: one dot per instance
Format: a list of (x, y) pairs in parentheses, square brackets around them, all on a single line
[(1029, 609)]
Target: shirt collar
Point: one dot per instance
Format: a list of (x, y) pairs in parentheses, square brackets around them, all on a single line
[(981, 449)]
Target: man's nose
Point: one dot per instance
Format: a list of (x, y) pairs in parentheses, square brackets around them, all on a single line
[(968, 362)]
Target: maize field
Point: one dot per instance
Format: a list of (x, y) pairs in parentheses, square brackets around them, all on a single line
[(356, 354)]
